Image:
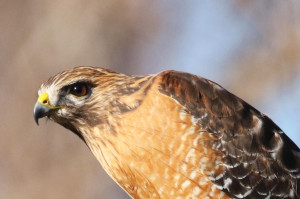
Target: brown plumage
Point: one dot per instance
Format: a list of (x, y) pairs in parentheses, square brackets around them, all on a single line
[(173, 135)]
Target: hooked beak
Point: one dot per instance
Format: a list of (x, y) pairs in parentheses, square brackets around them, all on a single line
[(39, 111), (42, 107)]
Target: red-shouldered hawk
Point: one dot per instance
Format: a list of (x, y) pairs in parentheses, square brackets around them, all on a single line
[(173, 135)]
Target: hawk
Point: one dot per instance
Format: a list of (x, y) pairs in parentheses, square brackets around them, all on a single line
[(173, 134)]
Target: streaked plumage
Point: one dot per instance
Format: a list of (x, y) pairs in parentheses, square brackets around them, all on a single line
[(173, 135)]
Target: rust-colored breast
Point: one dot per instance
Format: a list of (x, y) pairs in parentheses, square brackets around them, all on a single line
[(159, 151)]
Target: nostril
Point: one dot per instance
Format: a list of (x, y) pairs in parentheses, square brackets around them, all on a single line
[(45, 102)]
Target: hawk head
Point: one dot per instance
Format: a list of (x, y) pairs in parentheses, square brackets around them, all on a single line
[(71, 98)]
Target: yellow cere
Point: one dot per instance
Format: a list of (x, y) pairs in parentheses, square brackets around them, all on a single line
[(44, 100)]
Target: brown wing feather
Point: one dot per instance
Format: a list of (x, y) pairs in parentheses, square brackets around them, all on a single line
[(260, 160)]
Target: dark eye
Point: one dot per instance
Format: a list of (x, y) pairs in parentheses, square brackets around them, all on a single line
[(79, 89)]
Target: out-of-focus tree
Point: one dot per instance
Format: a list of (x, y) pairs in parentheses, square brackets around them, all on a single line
[(270, 57)]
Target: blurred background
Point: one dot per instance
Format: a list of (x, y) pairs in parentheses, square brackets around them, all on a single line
[(250, 47)]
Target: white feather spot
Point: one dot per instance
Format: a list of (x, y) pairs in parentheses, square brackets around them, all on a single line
[(203, 181), (217, 87), (227, 182), (258, 124), (183, 126), (217, 186), (190, 155), (185, 184), (190, 131), (184, 168), (161, 190), (193, 174), (194, 121), (196, 191), (292, 193), (182, 115), (172, 193), (177, 177), (195, 141), (203, 116)]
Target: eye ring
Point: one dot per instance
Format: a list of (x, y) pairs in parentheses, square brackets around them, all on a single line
[(79, 89)]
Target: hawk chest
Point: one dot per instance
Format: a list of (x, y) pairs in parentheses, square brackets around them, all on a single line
[(158, 151)]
